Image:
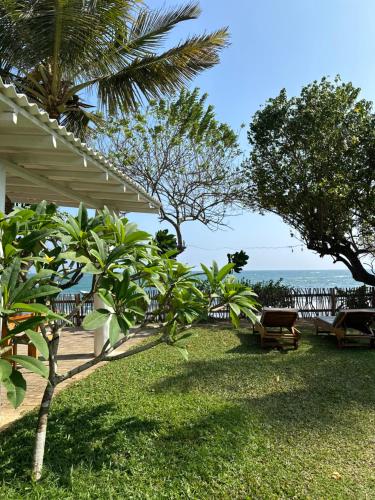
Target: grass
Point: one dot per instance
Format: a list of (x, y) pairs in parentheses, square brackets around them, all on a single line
[(233, 422)]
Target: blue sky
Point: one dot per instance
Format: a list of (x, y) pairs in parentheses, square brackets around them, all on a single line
[(274, 44)]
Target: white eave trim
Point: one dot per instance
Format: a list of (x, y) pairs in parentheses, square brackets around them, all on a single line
[(18, 107)]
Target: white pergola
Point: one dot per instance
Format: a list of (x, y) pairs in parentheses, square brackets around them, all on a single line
[(41, 160)]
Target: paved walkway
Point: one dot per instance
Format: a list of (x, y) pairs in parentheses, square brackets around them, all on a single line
[(76, 347)]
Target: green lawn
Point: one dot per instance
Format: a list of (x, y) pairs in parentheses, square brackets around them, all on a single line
[(233, 422)]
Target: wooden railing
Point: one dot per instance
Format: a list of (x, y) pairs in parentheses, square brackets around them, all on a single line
[(310, 302)]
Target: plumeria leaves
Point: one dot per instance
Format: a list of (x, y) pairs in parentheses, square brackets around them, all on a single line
[(96, 319), (32, 364), (5, 369), (39, 342), (15, 386)]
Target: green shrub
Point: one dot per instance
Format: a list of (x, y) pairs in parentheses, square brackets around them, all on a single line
[(271, 293)]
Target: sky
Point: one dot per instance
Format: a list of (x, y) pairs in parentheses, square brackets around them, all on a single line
[(275, 44)]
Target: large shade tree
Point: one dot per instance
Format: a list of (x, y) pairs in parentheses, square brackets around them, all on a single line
[(180, 153), (313, 164), (58, 51)]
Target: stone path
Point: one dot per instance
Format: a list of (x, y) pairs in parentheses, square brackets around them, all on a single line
[(76, 347)]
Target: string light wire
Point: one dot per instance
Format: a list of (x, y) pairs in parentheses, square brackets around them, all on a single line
[(248, 248)]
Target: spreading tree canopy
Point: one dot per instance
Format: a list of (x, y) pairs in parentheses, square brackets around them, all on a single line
[(59, 51), (180, 153), (313, 164)]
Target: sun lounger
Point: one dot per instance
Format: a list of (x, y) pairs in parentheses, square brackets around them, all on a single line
[(20, 339), (350, 326), (276, 326)]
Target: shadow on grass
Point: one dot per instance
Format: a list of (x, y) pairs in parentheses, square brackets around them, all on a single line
[(250, 342), (314, 385), (75, 437), (310, 388), (83, 438)]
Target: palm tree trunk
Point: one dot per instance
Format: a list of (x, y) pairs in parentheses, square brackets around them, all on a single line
[(41, 432)]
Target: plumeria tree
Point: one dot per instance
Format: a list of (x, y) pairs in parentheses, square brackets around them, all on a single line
[(182, 155), (44, 252)]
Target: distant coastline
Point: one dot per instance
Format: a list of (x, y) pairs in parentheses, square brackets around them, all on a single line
[(340, 278), (318, 278)]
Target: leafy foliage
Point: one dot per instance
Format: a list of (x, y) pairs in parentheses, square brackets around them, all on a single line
[(165, 241), (53, 51), (357, 298), (178, 152), (44, 251), (271, 293), (239, 259), (312, 163)]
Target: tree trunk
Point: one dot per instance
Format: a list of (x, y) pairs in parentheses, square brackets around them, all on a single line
[(40, 438), (360, 274), (357, 268), (177, 227), (180, 242), (342, 252)]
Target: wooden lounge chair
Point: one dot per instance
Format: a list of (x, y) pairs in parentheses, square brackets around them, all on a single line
[(350, 326), (22, 339), (277, 326)]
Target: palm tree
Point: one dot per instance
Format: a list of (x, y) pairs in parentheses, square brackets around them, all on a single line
[(57, 52)]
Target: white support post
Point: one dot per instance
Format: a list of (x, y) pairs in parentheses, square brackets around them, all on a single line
[(101, 335), (2, 210)]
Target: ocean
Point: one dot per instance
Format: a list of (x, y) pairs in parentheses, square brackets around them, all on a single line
[(340, 278)]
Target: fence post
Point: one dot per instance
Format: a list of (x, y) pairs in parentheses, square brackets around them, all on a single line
[(77, 300), (333, 301)]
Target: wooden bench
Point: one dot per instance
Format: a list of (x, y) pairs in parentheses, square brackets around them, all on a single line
[(8, 326)]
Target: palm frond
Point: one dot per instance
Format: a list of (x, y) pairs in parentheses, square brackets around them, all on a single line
[(137, 38), (78, 122), (156, 75), (150, 28), (54, 49), (28, 30)]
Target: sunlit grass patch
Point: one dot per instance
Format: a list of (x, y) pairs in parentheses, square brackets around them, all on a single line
[(234, 421)]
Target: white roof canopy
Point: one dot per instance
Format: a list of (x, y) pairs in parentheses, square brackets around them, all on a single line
[(44, 161)]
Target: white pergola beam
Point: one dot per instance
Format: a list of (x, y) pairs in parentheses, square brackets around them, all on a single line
[(8, 118), (87, 187), (43, 182), (121, 196), (72, 146), (98, 178), (13, 190), (61, 166), (109, 188), (30, 141)]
